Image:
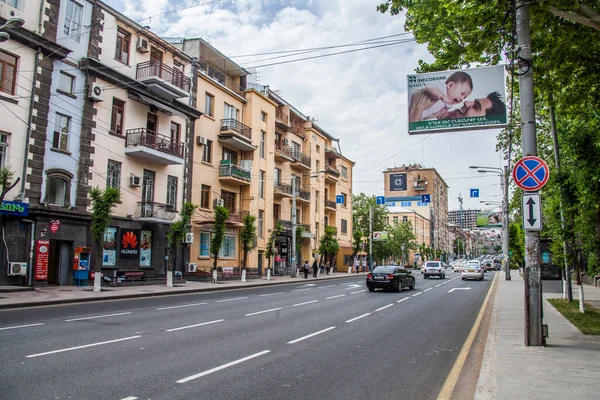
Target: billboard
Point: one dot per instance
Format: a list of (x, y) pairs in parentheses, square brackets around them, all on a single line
[(397, 182), (466, 99), (489, 219), (380, 236)]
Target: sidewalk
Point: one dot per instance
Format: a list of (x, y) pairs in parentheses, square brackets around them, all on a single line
[(13, 297), (567, 368)]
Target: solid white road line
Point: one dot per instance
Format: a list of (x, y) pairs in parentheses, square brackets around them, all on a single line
[(83, 347), (427, 290), (417, 294), (19, 326), (359, 291), (237, 298), (97, 316), (359, 317), (384, 307), (335, 297), (183, 305), (404, 299), (311, 335), (306, 302), (230, 364), (321, 287), (438, 285), (301, 290), (264, 311), (271, 294), (195, 325)]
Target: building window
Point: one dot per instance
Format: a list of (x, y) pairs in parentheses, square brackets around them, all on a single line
[(344, 200), (395, 219), (58, 187), (207, 152), (261, 223), (231, 112), (318, 150), (344, 226), (318, 166), (344, 172), (263, 116), (205, 244), (420, 204), (66, 83), (116, 119), (262, 144), (296, 148), (404, 219), (405, 203), (175, 133), (122, 49), (8, 72), (205, 196), (3, 149), (13, 3), (61, 132), (277, 176), (73, 20), (113, 174), (209, 105), (228, 199), (261, 185), (172, 192), (228, 247), (317, 201)]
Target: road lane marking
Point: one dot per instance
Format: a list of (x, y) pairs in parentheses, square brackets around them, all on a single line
[(230, 364), (438, 285), (237, 298), (416, 294), (311, 335), (364, 290), (321, 287), (264, 311), (384, 307), (129, 398), (19, 326), (97, 316), (180, 306), (352, 286), (306, 302), (301, 290), (359, 317), (195, 325), (334, 297), (83, 346), (271, 294), (427, 290), (459, 288), (444, 283), (404, 299)]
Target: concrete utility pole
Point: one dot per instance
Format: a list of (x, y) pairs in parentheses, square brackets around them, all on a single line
[(370, 239), (460, 213), (505, 223), (533, 282), (293, 250)]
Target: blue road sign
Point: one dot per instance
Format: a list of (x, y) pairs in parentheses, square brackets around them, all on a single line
[(380, 200), (474, 192), (425, 198), (339, 199)]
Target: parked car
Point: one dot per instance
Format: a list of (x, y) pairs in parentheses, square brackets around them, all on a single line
[(472, 270), (390, 277), (550, 271), (434, 268)]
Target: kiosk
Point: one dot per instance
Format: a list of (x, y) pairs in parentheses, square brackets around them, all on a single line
[(81, 266)]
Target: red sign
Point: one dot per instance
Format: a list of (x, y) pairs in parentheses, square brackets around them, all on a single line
[(54, 225), (42, 248), (531, 173)]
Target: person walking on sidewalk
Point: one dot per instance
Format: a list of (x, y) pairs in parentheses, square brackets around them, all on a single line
[(315, 268), (327, 267), (305, 269)]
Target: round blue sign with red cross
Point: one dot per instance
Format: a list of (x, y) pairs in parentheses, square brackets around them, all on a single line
[(531, 173)]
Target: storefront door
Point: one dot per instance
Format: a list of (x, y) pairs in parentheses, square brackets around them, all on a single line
[(59, 262)]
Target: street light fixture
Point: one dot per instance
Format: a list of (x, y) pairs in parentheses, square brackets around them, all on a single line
[(14, 22)]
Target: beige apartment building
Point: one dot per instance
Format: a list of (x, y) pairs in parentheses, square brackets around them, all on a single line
[(420, 224)]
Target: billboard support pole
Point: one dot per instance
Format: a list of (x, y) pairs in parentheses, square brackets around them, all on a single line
[(533, 287)]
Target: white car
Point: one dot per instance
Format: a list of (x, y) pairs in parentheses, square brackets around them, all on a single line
[(434, 268), (472, 270), (458, 266)]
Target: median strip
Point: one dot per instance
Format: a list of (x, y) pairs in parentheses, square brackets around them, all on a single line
[(221, 367), (83, 347), (311, 335)]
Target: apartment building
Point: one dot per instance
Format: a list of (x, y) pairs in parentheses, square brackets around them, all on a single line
[(420, 224), (465, 219)]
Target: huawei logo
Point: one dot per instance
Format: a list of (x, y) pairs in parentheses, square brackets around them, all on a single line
[(129, 240)]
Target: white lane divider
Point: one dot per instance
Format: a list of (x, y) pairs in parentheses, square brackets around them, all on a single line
[(129, 398), (416, 294), (438, 285), (321, 287), (97, 316), (195, 325), (180, 306), (19, 326), (384, 307), (359, 317), (219, 368), (444, 283), (335, 297), (237, 298), (404, 299), (271, 294), (301, 290), (311, 335), (83, 347), (359, 291), (306, 302), (427, 290), (264, 311)]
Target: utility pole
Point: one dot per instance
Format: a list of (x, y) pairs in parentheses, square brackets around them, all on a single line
[(533, 282), (460, 211), (370, 238), (293, 252), (505, 223)]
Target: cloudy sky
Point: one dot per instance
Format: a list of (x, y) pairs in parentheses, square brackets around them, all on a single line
[(359, 97)]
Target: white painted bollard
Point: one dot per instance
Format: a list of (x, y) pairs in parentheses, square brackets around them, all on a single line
[(214, 277), (269, 274), (349, 270), (243, 275), (169, 278), (97, 281)]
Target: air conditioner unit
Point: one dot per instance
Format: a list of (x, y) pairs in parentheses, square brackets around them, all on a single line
[(189, 238), (219, 202), (201, 141), (17, 268), (135, 181), (95, 92), (142, 45), (192, 267)]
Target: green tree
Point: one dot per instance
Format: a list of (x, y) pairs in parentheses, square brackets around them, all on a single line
[(401, 235), (221, 215), (176, 234), (361, 203), (516, 243), (7, 181), (269, 248), (103, 202), (329, 245), (357, 241), (247, 236)]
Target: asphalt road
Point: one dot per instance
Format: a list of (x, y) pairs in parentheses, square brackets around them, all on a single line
[(327, 340)]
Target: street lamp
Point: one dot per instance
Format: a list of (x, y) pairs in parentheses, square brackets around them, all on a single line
[(14, 22), (503, 173)]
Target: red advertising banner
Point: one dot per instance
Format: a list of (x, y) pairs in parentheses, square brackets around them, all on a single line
[(42, 248)]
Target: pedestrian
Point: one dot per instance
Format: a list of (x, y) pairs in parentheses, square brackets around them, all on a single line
[(315, 268), (305, 269), (327, 268), (364, 265), (321, 267)]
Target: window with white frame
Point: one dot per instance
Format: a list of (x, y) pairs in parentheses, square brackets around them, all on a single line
[(66, 83), (58, 187), (263, 116), (209, 104), (113, 174), (344, 172), (207, 151), (231, 112), (261, 223), (204, 244), (228, 247), (73, 16), (261, 185), (13, 3), (3, 149), (172, 192), (263, 135), (277, 176), (62, 125)]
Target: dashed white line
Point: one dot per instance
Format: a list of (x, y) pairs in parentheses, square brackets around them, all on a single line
[(237, 298), (129, 398), (271, 294), (195, 325), (384, 307), (359, 291), (321, 287), (83, 347), (311, 335), (444, 283), (301, 290), (335, 297), (19, 326), (359, 317), (180, 306), (404, 299), (427, 290), (306, 302), (438, 285), (416, 294), (230, 364), (97, 316), (264, 311)]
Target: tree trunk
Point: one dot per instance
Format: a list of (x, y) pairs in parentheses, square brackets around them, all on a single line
[(98, 268), (244, 260)]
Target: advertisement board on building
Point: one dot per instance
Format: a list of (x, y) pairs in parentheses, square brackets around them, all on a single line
[(130, 244), (397, 182), (455, 100), (42, 248), (109, 247), (146, 249)]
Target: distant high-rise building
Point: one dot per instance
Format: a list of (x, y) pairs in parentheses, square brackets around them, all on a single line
[(465, 219)]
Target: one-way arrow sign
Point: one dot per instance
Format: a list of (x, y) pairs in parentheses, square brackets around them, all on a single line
[(532, 212)]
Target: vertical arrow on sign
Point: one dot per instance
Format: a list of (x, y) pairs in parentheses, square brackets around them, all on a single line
[(530, 203)]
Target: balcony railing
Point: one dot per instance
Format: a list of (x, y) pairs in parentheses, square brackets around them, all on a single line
[(330, 204), (283, 188), (231, 124), (304, 193), (232, 170), (168, 74), (332, 171), (236, 216), (287, 225), (301, 158), (153, 140), (281, 116), (150, 209), (284, 149)]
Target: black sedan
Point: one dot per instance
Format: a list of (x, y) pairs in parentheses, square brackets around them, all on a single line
[(390, 278)]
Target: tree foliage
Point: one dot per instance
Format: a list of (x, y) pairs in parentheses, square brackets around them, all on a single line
[(360, 220), (177, 231), (103, 202), (221, 215), (270, 247), (328, 244), (248, 236)]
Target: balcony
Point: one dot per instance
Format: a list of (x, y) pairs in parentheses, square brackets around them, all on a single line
[(301, 160), (283, 189), (236, 135), (287, 227), (297, 126), (150, 146), (282, 120), (154, 212), (332, 173), (283, 152), (163, 80), (330, 205), (303, 194), (234, 174), (236, 217), (332, 153), (420, 185)]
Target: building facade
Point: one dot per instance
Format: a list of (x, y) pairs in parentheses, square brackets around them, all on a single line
[(465, 219), (421, 228)]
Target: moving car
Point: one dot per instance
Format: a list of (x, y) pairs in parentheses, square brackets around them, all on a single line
[(488, 264), (390, 277), (434, 268), (458, 266), (472, 270)]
